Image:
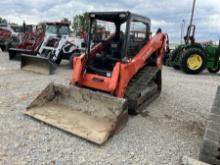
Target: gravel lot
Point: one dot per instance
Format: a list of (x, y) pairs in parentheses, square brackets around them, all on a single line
[(173, 126)]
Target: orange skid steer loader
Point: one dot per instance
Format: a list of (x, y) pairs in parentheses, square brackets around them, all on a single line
[(119, 74)]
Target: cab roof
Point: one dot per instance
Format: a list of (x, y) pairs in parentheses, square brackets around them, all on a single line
[(58, 23), (119, 16)]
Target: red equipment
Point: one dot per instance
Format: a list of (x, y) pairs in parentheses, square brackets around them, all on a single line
[(30, 45)]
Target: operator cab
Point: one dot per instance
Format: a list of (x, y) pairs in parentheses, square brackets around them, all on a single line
[(58, 28), (114, 37), (55, 31)]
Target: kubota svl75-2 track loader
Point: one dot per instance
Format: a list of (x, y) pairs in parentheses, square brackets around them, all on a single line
[(119, 73)]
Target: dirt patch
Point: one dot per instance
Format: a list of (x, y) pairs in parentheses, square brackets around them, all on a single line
[(36, 68), (169, 117), (195, 127)]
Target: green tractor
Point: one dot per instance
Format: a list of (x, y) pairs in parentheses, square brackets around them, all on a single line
[(193, 58)]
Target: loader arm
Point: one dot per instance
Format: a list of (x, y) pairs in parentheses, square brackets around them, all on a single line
[(157, 43), (154, 47), (26, 40)]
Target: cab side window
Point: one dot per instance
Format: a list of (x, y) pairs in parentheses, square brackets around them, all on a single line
[(139, 35)]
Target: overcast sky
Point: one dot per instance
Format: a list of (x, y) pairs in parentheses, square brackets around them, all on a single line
[(166, 14)]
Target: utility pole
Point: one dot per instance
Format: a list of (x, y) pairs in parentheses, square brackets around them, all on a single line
[(192, 13), (191, 18), (182, 26)]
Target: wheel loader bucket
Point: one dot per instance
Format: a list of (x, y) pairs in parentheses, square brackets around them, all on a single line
[(37, 64), (88, 114), (15, 54)]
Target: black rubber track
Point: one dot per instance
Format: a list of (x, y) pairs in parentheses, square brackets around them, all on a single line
[(144, 87)]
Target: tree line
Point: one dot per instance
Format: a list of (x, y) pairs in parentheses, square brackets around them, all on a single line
[(2, 20)]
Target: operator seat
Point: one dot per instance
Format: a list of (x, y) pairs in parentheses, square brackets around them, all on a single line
[(114, 52), (103, 64)]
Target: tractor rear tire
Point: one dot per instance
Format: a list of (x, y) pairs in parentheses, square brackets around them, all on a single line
[(214, 70), (174, 54), (177, 67), (193, 61)]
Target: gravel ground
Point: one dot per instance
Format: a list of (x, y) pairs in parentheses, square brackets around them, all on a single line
[(173, 126)]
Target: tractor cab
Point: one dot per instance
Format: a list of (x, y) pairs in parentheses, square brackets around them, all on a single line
[(114, 37), (57, 28), (54, 32)]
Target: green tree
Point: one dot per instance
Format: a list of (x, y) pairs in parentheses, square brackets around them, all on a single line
[(80, 23), (66, 20), (2, 20), (76, 24)]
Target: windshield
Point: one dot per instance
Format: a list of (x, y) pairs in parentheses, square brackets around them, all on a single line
[(102, 30), (64, 30), (110, 34), (51, 29), (58, 29)]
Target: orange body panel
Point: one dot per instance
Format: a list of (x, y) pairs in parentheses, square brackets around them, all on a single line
[(122, 72), (101, 82)]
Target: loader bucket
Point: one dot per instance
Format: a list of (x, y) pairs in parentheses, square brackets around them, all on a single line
[(91, 115), (15, 54), (37, 64)]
